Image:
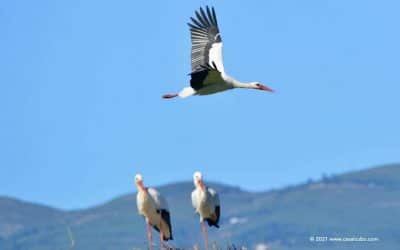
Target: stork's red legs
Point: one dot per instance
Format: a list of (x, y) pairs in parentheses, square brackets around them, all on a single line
[(161, 240), (205, 235), (149, 236), (168, 96)]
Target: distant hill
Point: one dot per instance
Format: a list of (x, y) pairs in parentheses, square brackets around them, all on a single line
[(356, 204)]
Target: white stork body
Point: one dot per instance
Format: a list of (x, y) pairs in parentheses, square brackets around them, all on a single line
[(208, 74), (154, 208), (206, 203)]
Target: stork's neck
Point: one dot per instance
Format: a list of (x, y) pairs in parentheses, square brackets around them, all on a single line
[(141, 187), (200, 185), (203, 192), (238, 84)]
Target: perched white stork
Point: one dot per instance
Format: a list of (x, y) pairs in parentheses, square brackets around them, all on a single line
[(205, 201), (154, 209), (208, 75)]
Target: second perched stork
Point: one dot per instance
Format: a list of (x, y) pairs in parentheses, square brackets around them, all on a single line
[(205, 201), (208, 75), (154, 209)]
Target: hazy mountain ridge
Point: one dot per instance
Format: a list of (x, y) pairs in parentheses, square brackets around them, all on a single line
[(362, 203)]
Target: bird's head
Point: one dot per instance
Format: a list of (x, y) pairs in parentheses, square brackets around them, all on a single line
[(259, 86), (139, 180), (198, 179)]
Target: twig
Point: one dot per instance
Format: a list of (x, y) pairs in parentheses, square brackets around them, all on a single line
[(71, 238)]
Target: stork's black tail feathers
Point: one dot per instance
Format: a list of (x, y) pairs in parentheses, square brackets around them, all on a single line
[(217, 215), (164, 216), (212, 223)]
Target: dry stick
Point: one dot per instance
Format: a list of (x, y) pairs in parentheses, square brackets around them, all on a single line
[(71, 238), (214, 245)]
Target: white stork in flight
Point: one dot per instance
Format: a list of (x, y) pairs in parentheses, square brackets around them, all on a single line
[(205, 201), (154, 209), (208, 75)]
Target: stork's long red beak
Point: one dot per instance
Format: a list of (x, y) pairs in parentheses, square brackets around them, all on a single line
[(169, 96), (201, 184), (265, 88), (140, 184)]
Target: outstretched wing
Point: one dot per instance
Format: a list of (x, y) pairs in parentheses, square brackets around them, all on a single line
[(205, 75), (206, 40)]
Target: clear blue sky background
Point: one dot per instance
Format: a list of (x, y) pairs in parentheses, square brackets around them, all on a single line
[(81, 82)]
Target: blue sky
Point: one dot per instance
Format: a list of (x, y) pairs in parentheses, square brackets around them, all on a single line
[(81, 82)]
